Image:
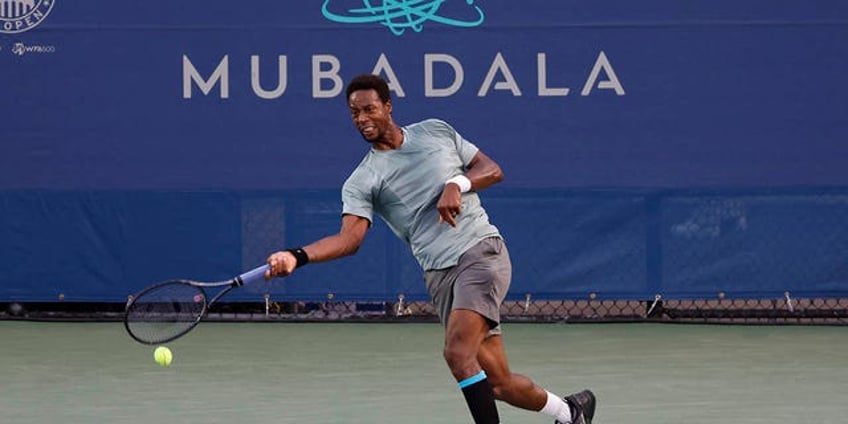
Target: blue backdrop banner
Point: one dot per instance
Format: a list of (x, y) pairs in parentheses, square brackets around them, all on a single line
[(649, 146)]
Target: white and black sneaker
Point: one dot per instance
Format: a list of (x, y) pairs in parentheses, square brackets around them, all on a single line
[(582, 406)]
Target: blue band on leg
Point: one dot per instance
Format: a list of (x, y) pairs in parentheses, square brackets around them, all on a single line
[(480, 376)]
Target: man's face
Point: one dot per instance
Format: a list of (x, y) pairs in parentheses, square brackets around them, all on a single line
[(371, 116)]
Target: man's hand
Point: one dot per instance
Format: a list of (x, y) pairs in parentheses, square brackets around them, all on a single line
[(280, 264), (450, 204)]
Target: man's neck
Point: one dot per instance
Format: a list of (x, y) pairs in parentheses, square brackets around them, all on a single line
[(392, 140)]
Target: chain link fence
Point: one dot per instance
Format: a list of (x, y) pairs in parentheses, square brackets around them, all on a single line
[(707, 311)]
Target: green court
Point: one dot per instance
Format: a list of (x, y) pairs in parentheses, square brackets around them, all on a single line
[(393, 373)]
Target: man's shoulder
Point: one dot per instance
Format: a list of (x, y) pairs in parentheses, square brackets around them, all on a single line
[(432, 127), (364, 165), (426, 124), (359, 178)]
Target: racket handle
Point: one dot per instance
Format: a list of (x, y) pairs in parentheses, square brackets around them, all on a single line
[(253, 276)]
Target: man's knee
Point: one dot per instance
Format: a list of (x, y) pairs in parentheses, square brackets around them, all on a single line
[(458, 355), (500, 385), (500, 390)]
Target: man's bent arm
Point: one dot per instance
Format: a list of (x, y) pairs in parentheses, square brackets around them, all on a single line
[(483, 172)]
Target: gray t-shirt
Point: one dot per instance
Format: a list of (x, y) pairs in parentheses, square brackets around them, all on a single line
[(402, 186)]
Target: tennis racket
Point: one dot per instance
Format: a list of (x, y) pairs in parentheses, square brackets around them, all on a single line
[(170, 309)]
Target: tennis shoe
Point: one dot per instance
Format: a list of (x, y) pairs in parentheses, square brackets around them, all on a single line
[(582, 405)]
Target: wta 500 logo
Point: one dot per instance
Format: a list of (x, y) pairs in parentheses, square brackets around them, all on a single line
[(400, 15), (22, 15)]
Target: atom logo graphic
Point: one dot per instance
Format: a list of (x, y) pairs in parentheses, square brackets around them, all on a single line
[(400, 15)]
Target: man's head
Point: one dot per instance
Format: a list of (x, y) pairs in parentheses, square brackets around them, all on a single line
[(370, 105), (370, 82)]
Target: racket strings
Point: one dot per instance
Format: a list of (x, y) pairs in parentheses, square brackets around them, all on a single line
[(165, 312)]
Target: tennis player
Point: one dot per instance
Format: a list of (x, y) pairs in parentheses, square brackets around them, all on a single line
[(422, 179)]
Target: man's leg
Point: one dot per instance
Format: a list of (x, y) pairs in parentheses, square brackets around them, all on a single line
[(515, 389), (464, 334), (520, 391)]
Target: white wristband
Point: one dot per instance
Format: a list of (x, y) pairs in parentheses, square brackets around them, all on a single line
[(462, 181)]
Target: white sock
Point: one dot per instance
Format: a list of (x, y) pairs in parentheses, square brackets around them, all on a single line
[(557, 408)]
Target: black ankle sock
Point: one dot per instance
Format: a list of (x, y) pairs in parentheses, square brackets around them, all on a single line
[(480, 399)]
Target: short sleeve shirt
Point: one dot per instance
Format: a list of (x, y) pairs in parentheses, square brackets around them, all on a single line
[(403, 186)]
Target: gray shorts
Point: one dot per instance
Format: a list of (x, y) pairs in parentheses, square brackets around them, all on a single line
[(479, 282)]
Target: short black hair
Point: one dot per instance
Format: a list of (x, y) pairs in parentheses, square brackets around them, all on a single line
[(369, 82)]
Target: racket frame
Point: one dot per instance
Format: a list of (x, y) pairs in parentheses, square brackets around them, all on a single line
[(245, 278)]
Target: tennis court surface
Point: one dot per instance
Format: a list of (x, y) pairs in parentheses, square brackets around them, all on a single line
[(393, 373)]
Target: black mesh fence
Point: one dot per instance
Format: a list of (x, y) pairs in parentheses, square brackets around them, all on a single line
[(786, 310)]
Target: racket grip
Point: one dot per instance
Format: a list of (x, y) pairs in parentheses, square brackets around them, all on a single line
[(254, 275)]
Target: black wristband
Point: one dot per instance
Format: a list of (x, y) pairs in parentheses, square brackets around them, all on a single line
[(300, 255)]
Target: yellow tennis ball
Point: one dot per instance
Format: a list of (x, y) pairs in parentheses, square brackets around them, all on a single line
[(163, 356)]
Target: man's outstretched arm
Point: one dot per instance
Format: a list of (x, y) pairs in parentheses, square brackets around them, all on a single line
[(345, 243)]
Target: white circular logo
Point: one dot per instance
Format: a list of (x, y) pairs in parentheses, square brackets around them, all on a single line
[(22, 15)]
